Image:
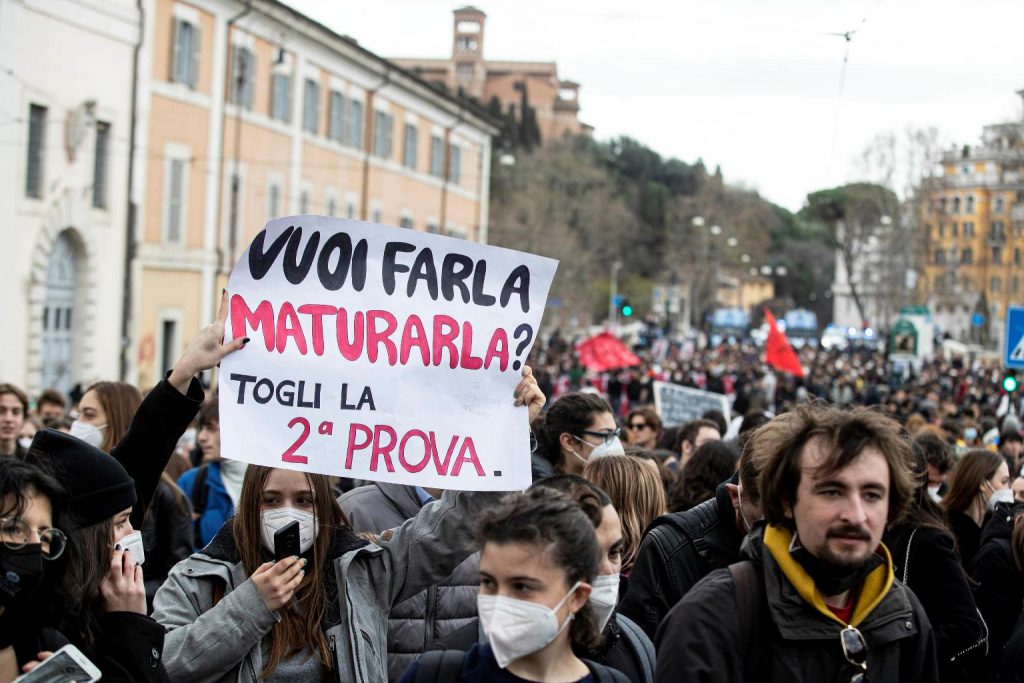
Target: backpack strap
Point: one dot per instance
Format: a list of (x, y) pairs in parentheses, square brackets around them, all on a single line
[(199, 495), (749, 595), (602, 673), (641, 645), (440, 666)]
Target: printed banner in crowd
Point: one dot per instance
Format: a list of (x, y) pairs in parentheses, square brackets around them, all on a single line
[(381, 353), (677, 405)]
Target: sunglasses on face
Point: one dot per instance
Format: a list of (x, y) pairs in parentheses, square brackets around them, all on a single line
[(638, 425), (855, 650)]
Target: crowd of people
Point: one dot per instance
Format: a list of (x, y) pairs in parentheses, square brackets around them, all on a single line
[(863, 522)]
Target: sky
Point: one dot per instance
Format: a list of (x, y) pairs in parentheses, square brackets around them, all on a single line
[(755, 86)]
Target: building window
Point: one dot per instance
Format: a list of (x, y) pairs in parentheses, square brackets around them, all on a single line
[(409, 153), (436, 156), (1000, 206), (1016, 256), (940, 257), (175, 200), (99, 165), (332, 206), (464, 72), (942, 205), (997, 256), (1018, 228), (383, 129), (281, 97), (304, 202), (927, 231), (311, 106), (956, 205), (1015, 285), (996, 284), (336, 116), (999, 229), (375, 216), (454, 164), (168, 344), (242, 74), (432, 227), (350, 209), (273, 201), (938, 282), (185, 53), (36, 145), (954, 229), (355, 124), (405, 222), (942, 229), (968, 228), (970, 203), (967, 258)]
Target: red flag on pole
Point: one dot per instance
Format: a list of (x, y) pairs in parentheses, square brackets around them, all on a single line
[(604, 352), (777, 351)]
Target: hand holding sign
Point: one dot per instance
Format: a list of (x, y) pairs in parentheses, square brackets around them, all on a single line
[(382, 354)]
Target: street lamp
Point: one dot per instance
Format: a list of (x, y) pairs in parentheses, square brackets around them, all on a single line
[(732, 241), (746, 259), (716, 230), (698, 221), (781, 271), (766, 270)]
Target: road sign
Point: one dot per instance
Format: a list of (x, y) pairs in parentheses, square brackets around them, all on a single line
[(1013, 339), (978, 319)]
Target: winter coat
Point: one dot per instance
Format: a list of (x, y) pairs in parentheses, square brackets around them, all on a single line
[(210, 640), (166, 538), (967, 533), (218, 503), (794, 637), (999, 590), (1011, 667), (924, 558), (416, 623), (677, 551)]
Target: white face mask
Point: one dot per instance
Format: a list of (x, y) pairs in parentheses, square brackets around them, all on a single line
[(516, 628), (88, 433), (133, 544), (1003, 495), (933, 492), (613, 447), (25, 441), (279, 518), (604, 596)]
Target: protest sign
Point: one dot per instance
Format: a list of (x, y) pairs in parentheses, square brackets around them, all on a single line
[(381, 353), (677, 405)]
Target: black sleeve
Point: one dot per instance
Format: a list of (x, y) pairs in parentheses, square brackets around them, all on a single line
[(1011, 670), (700, 637), (145, 449), (130, 649), (663, 572), (171, 532), (997, 596), (921, 665)]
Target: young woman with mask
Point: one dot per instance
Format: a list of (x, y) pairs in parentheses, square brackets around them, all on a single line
[(576, 428), (232, 613), (31, 550), (979, 481), (538, 562)]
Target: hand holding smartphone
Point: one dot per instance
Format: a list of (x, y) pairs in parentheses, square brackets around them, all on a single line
[(286, 542), (63, 666)]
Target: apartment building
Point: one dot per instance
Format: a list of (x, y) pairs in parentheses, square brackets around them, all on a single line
[(252, 111), (973, 234)]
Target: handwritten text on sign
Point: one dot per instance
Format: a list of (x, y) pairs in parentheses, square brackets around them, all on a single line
[(380, 353)]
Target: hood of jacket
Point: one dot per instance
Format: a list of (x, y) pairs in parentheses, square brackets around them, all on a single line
[(999, 524), (404, 498)]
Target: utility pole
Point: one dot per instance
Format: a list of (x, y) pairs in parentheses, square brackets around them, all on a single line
[(613, 300)]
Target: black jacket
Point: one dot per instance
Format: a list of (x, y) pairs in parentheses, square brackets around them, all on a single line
[(999, 590), (1011, 668), (166, 536), (678, 550), (968, 535), (789, 640), (925, 560)]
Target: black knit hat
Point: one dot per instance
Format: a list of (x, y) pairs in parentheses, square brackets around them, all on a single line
[(97, 484)]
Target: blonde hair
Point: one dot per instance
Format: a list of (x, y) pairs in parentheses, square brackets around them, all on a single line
[(636, 492)]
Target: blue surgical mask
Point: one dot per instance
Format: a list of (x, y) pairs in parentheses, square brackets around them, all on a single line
[(970, 434)]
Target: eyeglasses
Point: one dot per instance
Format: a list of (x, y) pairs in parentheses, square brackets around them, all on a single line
[(606, 437), (16, 534), (638, 425), (855, 649)]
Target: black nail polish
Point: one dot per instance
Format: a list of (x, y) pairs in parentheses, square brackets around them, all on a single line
[(245, 340)]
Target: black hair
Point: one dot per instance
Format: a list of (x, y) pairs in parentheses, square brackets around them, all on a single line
[(935, 451), (710, 465), (572, 413), (570, 485), (563, 527), (18, 478), (1010, 435), (718, 417)]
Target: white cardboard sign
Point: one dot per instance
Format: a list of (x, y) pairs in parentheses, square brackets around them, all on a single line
[(381, 353)]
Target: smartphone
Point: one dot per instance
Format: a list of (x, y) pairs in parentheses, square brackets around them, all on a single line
[(286, 542), (65, 665)]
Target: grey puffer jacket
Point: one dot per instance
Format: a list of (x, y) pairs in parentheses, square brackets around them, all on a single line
[(414, 624), (210, 640)]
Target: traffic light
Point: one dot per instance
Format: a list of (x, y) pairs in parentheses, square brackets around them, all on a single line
[(1010, 383), (625, 308)]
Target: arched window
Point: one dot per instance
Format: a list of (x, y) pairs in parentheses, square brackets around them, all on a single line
[(59, 317)]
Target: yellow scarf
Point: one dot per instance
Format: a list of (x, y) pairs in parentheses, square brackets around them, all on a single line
[(877, 584)]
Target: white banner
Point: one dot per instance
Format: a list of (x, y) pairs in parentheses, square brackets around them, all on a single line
[(381, 353), (678, 405)]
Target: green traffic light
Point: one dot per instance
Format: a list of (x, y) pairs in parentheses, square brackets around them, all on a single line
[(627, 310), (1010, 384)]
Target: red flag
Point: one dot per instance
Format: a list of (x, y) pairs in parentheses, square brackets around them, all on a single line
[(604, 352), (777, 351)]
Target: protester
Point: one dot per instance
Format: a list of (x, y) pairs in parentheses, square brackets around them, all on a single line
[(538, 561), (711, 464), (30, 564), (636, 494), (815, 598), (29, 427), (576, 428), (1011, 443), (939, 458), (644, 428), (924, 558), (214, 487), (998, 589), (13, 409), (51, 405), (105, 414), (692, 436), (974, 489), (1011, 668), (682, 547)]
